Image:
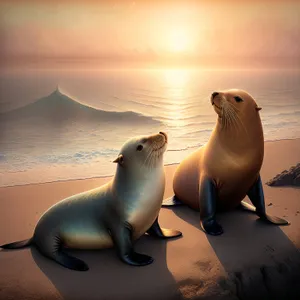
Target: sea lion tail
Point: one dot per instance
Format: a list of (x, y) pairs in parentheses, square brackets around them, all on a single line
[(17, 245)]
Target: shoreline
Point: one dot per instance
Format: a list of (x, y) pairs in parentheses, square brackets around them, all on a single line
[(111, 175)]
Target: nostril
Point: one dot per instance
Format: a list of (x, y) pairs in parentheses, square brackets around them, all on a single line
[(164, 134), (214, 94)]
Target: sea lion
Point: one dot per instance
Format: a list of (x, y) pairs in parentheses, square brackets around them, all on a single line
[(222, 172), (116, 213)]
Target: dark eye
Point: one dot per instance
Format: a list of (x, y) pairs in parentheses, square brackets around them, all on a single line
[(139, 148), (238, 99)]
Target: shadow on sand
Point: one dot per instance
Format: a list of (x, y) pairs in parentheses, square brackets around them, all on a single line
[(260, 260), (109, 278)]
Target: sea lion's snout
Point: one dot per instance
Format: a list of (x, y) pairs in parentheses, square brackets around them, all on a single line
[(159, 141), (212, 98), (213, 95), (216, 101), (165, 135)]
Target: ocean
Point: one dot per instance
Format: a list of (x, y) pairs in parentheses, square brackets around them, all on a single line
[(70, 124)]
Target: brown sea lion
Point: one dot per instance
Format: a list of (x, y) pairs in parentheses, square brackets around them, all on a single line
[(222, 172)]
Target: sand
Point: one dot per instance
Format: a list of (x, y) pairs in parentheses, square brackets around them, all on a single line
[(251, 260)]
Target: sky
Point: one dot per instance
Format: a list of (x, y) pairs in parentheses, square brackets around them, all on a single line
[(155, 31)]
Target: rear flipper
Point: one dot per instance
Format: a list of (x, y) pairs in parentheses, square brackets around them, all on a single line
[(172, 201), (256, 195), (157, 231), (51, 247), (247, 206), (17, 245), (57, 255), (69, 261), (275, 220)]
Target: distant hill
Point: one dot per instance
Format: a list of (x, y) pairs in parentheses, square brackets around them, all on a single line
[(58, 108)]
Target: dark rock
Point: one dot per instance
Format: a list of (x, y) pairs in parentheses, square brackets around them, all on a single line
[(287, 178), (296, 181)]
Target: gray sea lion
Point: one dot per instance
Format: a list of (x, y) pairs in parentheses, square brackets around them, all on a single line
[(114, 214), (222, 172)]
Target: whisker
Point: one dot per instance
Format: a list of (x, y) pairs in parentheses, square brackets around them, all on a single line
[(154, 153), (230, 117), (234, 123), (242, 124), (146, 160), (227, 120), (225, 116)]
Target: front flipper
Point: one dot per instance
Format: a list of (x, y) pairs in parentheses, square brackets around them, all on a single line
[(207, 206), (256, 195), (172, 201), (121, 236), (157, 231)]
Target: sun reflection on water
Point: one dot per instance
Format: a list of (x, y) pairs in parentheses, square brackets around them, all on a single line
[(177, 81)]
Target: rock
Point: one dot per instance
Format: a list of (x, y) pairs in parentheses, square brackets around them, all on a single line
[(297, 181), (289, 177)]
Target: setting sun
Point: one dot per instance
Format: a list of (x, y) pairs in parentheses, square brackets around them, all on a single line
[(180, 40)]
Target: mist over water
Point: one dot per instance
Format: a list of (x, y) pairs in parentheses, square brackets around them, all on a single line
[(76, 131)]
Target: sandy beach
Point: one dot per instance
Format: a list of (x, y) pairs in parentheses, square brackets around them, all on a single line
[(251, 260)]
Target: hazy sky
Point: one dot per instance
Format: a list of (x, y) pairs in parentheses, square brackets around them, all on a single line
[(147, 29)]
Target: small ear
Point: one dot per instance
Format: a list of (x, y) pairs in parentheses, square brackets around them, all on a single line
[(119, 159), (258, 108)]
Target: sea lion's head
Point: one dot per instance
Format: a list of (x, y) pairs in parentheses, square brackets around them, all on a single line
[(234, 107), (143, 152)]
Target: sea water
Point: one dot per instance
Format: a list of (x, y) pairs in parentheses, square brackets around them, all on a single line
[(44, 136)]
